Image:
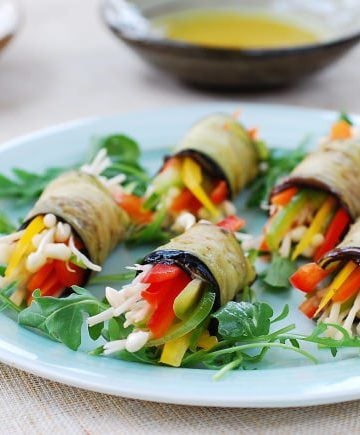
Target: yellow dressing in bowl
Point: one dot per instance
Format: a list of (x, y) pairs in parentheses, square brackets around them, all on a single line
[(225, 29)]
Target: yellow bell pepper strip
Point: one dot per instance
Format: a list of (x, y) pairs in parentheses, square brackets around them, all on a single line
[(207, 341), (174, 351), (336, 283), (316, 226), (192, 177), (25, 243)]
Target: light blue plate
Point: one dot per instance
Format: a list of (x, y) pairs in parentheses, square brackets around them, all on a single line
[(284, 379)]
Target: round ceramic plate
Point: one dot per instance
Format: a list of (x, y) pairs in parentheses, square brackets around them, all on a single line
[(283, 379)]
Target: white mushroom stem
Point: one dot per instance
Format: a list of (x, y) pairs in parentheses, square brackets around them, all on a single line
[(145, 271), (184, 221), (63, 232), (136, 340), (5, 252), (100, 163), (101, 317), (114, 346), (57, 251), (50, 220), (82, 258), (285, 247), (352, 314), (47, 238), (135, 316), (118, 179), (11, 238), (125, 306)]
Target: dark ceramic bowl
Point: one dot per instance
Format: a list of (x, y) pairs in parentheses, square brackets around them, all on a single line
[(338, 20), (9, 21)]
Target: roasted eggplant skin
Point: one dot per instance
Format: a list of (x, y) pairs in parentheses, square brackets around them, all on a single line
[(224, 149), (211, 253), (80, 200), (334, 168), (347, 250)]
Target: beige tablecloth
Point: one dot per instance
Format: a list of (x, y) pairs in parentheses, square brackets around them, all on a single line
[(64, 65)]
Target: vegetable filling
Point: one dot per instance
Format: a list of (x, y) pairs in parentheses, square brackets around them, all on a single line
[(304, 222), (183, 188), (46, 255), (332, 294)]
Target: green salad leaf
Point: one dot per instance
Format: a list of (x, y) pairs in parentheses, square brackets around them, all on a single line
[(278, 272), (62, 319), (25, 185), (243, 319)]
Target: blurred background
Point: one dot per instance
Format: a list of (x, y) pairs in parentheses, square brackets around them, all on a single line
[(65, 64)]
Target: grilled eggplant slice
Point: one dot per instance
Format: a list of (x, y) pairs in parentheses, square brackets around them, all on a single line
[(224, 149), (334, 168), (80, 200), (212, 254)]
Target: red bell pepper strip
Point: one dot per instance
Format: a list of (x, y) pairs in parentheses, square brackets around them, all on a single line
[(349, 288), (307, 277), (220, 192), (337, 227), (39, 278), (163, 272), (164, 315), (185, 201), (232, 223), (309, 306), (158, 290), (284, 197), (134, 206), (69, 275)]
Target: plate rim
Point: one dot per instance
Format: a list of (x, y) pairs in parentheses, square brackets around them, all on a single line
[(42, 369)]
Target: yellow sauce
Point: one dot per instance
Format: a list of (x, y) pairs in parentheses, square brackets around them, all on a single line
[(234, 30)]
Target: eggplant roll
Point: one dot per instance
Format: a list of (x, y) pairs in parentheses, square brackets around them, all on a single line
[(80, 200), (70, 232), (212, 254), (334, 168), (224, 148), (332, 285), (313, 208), (215, 160), (169, 302)]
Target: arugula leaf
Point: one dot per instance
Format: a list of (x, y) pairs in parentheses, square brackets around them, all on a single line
[(244, 319), (5, 297), (278, 273), (62, 318), (280, 163), (6, 227), (27, 186)]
